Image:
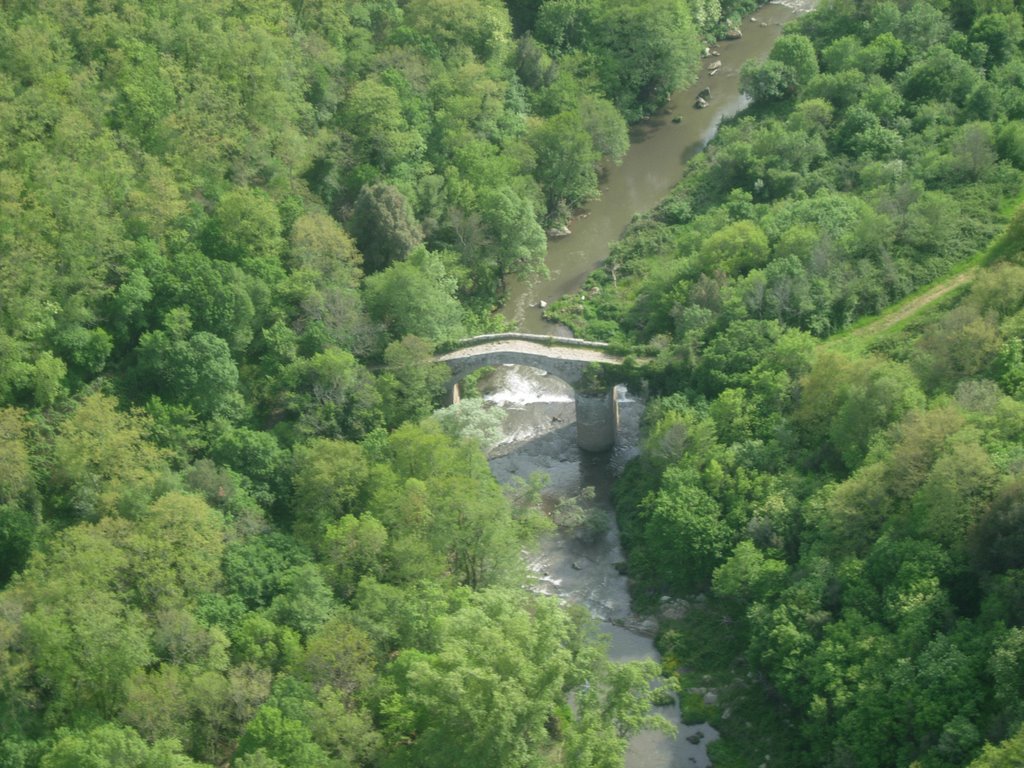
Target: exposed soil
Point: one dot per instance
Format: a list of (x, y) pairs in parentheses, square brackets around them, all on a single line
[(915, 304)]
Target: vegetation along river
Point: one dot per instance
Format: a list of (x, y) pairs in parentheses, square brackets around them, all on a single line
[(654, 164), (539, 429)]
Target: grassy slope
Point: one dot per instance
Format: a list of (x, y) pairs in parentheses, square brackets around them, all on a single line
[(871, 333)]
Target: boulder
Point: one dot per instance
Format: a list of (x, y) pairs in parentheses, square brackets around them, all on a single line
[(641, 626), (705, 93), (700, 103), (733, 33), (560, 231), (674, 610), (714, 65)]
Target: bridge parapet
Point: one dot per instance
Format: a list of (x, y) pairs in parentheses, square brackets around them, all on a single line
[(537, 338)]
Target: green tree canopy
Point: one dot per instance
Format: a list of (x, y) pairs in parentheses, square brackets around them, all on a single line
[(415, 298)]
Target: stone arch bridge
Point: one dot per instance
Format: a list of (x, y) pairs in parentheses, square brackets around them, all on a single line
[(597, 414)]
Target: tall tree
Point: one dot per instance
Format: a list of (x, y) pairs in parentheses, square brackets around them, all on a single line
[(384, 226)]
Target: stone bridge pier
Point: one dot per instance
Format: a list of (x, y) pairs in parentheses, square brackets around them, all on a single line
[(597, 413), (597, 421)]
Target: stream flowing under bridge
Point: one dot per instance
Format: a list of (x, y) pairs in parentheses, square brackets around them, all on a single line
[(597, 413)]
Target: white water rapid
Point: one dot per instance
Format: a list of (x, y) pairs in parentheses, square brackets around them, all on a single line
[(540, 436)]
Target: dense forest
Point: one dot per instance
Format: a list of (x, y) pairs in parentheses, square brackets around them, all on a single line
[(233, 531), (231, 233), (842, 503)]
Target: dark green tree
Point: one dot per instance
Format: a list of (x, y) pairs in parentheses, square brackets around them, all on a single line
[(384, 226)]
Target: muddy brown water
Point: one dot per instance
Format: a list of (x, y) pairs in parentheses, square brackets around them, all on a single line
[(652, 167)]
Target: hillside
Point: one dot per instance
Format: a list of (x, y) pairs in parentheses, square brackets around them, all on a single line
[(231, 234), (831, 476)]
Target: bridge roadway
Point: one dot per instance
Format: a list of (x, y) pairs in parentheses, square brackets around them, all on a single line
[(532, 345), (597, 415)]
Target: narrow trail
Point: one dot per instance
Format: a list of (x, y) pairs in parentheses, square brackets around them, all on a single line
[(912, 306)]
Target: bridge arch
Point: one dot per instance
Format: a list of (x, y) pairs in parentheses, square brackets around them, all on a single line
[(570, 372), (597, 414)]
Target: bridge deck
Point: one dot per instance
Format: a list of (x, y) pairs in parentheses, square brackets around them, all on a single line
[(551, 351)]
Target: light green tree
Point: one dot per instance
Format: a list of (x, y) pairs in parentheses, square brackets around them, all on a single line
[(112, 746), (412, 382), (104, 463), (246, 229), (415, 297), (329, 478), (472, 419)]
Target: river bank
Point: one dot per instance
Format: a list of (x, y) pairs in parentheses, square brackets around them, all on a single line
[(539, 429), (540, 436), (654, 164)]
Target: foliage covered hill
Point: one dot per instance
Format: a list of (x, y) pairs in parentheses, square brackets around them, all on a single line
[(167, 624), (230, 233), (199, 156), (855, 516), (193, 155)]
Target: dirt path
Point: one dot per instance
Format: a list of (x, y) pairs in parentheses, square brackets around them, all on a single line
[(913, 305)]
